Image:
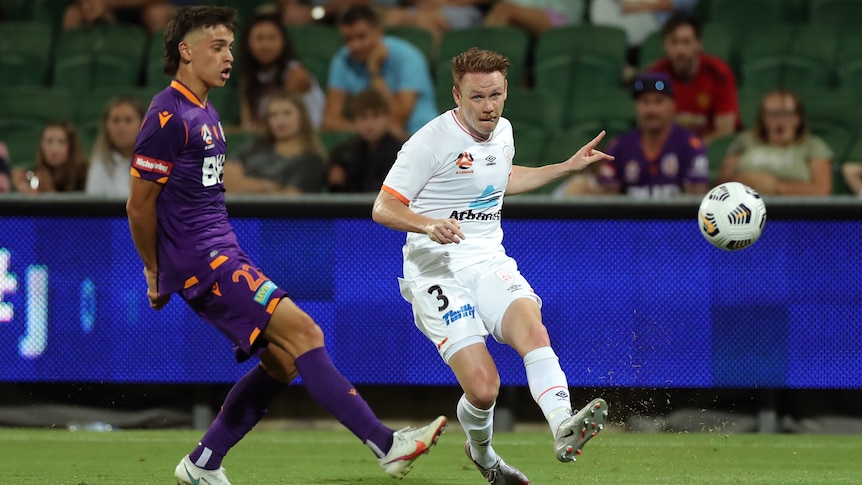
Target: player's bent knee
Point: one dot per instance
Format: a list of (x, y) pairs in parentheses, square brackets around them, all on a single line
[(278, 364)]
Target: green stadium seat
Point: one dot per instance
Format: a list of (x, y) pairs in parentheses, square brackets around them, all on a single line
[(850, 77), (749, 13), (25, 53), (29, 105), (819, 44), (531, 110), (154, 76), (100, 56), (420, 38), (89, 106), (530, 146), (23, 143), (574, 78), (583, 40), (315, 45), (715, 152), (786, 71), (609, 110), (511, 42), (839, 14), (765, 43), (331, 139), (226, 102)]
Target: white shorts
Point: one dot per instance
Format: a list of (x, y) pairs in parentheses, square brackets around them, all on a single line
[(461, 309)]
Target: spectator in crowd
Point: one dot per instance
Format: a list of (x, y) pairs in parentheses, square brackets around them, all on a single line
[(659, 158), (87, 13), (60, 164), (300, 12), (5, 184), (361, 163), (114, 146), (706, 99), (438, 17), (535, 16), (287, 159), (639, 18), (392, 66), (269, 64), (852, 172), (779, 156)]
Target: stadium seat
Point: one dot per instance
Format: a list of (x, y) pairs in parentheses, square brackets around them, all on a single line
[(226, 102), (749, 13), (88, 107), (23, 144), (610, 110), (850, 77), (530, 147), (715, 152), (599, 50), (331, 139), (717, 41), (757, 44), (154, 76), (99, 56), (420, 38), (33, 106), (46, 12), (531, 110), (786, 71), (511, 42), (315, 45), (25, 53), (819, 44), (839, 14), (576, 78)]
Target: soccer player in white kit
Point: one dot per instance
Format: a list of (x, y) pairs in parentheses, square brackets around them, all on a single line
[(446, 190)]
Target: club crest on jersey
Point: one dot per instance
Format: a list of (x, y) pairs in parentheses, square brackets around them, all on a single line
[(464, 163), (207, 137), (506, 276)]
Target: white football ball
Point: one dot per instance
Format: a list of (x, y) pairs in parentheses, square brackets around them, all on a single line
[(732, 216)]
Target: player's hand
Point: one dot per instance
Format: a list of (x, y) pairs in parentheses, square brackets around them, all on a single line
[(445, 231), (156, 301), (588, 154)]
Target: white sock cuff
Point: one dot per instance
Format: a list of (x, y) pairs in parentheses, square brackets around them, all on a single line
[(540, 354), (479, 413)]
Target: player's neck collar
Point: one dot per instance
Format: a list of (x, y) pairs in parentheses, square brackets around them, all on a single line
[(185, 91), (455, 117)]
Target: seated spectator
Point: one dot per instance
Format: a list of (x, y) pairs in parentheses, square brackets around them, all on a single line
[(300, 12), (287, 159), (779, 156), (88, 13), (60, 164), (659, 158), (114, 147), (535, 16), (392, 66), (269, 64), (361, 163), (638, 18), (706, 99), (852, 172), (5, 185), (437, 17)]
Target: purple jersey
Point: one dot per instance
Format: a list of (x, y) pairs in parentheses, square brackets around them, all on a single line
[(682, 160), (181, 145)]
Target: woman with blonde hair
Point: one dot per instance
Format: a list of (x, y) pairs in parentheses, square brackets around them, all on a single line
[(114, 147), (60, 164), (779, 156), (289, 158)]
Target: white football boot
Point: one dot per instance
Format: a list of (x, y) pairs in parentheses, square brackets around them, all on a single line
[(576, 430), (408, 444), (188, 473)]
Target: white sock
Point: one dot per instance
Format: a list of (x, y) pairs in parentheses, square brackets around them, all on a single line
[(548, 385), (479, 426)]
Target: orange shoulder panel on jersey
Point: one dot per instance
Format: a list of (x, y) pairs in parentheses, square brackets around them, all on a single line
[(695, 142), (396, 194)]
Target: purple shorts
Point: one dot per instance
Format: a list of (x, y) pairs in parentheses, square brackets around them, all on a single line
[(240, 304)]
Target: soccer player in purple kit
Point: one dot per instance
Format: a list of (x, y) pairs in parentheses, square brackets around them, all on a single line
[(179, 225), (659, 158)]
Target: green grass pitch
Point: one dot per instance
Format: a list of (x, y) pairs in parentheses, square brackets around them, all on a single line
[(29, 456)]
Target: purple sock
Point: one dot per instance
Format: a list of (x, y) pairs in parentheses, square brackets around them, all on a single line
[(244, 406), (338, 396)]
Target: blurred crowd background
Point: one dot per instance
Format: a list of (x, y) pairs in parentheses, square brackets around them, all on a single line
[(323, 93)]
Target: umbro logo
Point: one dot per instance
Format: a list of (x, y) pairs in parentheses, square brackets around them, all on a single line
[(562, 395), (490, 159)]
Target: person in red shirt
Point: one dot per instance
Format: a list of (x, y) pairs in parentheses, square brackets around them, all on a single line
[(706, 100)]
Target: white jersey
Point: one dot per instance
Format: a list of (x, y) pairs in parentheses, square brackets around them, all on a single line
[(443, 172)]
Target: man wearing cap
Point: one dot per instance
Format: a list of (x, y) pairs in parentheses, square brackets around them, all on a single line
[(659, 158), (706, 97)]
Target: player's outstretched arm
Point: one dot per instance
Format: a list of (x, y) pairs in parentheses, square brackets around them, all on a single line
[(526, 179), (391, 212)]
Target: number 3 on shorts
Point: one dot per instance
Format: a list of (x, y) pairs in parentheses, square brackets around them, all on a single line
[(444, 302)]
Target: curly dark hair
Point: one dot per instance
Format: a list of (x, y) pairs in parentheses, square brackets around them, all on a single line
[(188, 19)]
